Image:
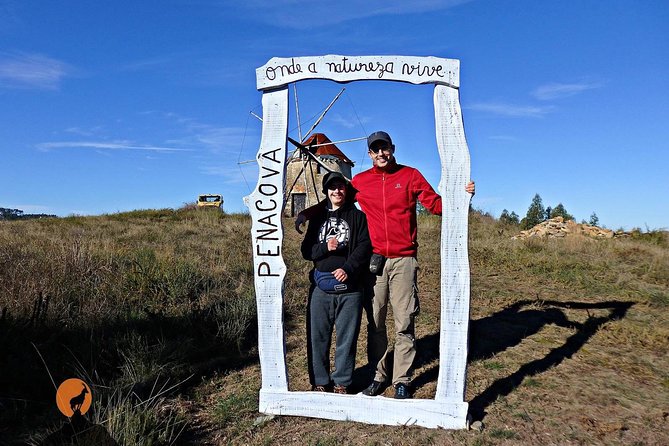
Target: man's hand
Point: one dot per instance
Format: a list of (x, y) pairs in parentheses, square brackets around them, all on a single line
[(340, 275), (471, 188), (332, 244), (299, 221)]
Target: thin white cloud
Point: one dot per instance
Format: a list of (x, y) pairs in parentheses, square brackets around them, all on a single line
[(32, 71), (105, 145), (216, 170), (557, 90), (525, 111), (219, 139), (83, 132), (213, 138), (348, 122), (194, 67), (232, 175), (301, 14), (193, 136)]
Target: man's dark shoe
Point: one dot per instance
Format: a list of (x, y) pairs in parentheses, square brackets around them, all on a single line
[(402, 391), (375, 388)]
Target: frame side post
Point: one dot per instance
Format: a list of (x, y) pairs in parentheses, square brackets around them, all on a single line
[(265, 204), (455, 172)]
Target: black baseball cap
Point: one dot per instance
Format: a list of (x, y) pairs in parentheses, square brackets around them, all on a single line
[(330, 177), (378, 136)]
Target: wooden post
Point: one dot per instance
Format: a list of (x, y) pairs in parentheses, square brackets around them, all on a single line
[(455, 171), (265, 205)]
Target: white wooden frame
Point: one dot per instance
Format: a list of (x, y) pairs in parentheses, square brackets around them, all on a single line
[(448, 409)]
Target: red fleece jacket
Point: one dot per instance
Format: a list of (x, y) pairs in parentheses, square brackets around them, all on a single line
[(388, 198)]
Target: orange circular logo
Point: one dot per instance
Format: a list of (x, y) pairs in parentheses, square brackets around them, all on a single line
[(73, 396)]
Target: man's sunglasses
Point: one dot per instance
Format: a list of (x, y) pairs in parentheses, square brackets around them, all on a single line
[(377, 149)]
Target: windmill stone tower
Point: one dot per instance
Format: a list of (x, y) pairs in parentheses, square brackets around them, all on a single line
[(304, 175)]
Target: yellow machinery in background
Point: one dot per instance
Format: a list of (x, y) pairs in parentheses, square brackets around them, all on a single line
[(210, 201)]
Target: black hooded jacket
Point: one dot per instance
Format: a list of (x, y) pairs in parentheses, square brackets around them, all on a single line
[(349, 225)]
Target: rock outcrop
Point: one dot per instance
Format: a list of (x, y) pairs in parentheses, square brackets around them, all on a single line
[(557, 227)]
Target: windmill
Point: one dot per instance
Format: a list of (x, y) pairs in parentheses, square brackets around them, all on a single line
[(314, 156)]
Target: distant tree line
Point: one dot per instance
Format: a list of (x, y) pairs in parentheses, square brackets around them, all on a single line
[(537, 213), (17, 214)]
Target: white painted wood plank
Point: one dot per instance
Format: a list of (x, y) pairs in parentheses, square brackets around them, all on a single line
[(416, 70), (365, 409), (455, 173), (267, 235)]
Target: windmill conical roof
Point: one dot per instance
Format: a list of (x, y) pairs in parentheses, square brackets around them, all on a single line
[(328, 148)]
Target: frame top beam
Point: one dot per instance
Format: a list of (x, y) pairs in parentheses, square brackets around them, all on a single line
[(278, 72)]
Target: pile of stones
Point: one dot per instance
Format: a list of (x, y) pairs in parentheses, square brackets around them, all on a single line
[(557, 227)]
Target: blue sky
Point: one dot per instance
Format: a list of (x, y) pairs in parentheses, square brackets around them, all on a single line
[(114, 106)]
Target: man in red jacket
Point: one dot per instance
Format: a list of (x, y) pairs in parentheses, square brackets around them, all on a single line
[(387, 194)]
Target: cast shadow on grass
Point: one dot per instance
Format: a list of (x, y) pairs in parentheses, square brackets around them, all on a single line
[(133, 356), (510, 326)]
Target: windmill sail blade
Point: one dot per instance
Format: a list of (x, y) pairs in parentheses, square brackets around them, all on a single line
[(305, 150), (297, 113), (318, 121), (301, 147), (338, 142)]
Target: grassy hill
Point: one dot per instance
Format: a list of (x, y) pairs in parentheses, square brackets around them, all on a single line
[(156, 311)]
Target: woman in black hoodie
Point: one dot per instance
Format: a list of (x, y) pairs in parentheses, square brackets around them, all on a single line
[(338, 243)]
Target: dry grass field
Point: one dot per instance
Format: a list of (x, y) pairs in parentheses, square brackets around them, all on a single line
[(569, 338)]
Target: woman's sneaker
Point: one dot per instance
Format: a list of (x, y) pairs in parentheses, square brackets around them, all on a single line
[(340, 389)]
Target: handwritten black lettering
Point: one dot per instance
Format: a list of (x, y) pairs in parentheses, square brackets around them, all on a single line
[(283, 70), (266, 234), (273, 205), (268, 252), (267, 220), (369, 67), (273, 157), (422, 70), (272, 172), (312, 67), (268, 189), (387, 68), (264, 270)]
